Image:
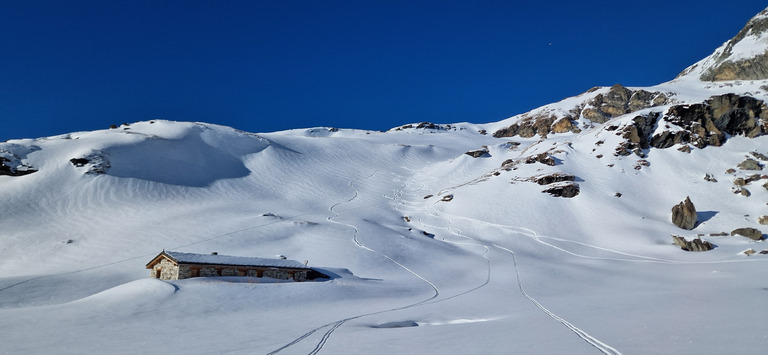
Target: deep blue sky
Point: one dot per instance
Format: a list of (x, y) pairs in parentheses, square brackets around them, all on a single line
[(264, 66)]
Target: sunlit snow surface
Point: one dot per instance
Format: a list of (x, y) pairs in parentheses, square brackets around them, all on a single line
[(501, 268)]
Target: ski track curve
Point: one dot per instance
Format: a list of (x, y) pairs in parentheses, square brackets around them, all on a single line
[(599, 345), (337, 324), (591, 340)]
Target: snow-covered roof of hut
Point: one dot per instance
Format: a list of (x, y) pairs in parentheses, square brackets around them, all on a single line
[(215, 259)]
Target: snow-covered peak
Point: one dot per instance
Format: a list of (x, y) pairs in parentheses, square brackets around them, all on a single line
[(743, 57)]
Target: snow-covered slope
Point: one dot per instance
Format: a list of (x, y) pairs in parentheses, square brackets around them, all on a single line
[(431, 250)]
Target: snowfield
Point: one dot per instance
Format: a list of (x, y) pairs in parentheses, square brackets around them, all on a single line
[(430, 250), (500, 268)]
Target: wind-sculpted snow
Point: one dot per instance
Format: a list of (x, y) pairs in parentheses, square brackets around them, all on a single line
[(430, 250)]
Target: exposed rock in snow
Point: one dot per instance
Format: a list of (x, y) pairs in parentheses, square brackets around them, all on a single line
[(696, 244), (749, 164), (684, 214), (751, 233), (566, 190), (619, 101), (743, 57), (552, 178), (478, 153)]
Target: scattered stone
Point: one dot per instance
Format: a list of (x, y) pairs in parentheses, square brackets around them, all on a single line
[(762, 220), (721, 234), (710, 178), (749, 164), (749, 252), (618, 194), (543, 158), (482, 131), (685, 149), (568, 190), (599, 156), (641, 163), (552, 178), (478, 153), (68, 241), (696, 244), (764, 251), (759, 156), (406, 218), (751, 233), (447, 198), (739, 182), (742, 191), (730, 171), (428, 196), (684, 214)]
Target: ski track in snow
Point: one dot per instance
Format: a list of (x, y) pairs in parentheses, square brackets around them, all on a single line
[(599, 345), (336, 324)]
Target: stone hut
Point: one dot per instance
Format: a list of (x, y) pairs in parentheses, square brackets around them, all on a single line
[(172, 265)]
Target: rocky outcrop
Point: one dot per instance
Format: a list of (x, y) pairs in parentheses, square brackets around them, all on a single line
[(599, 109), (567, 190), (552, 178), (684, 214), (530, 126), (693, 245), (620, 101), (424, 125), (707, 123), (97, 162), (743, 57), (751, 233), (19, 170)]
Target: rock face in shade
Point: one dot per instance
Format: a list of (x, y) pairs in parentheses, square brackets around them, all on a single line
[(684, 214)]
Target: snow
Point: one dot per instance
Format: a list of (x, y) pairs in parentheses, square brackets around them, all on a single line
[(500, 268), (215, 259)]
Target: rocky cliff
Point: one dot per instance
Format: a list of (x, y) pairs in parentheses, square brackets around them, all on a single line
[(743, 57)]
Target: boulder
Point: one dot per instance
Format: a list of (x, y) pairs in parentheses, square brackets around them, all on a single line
[(478, 153), (684, 214), (749, 164), (762, 220), (751, 233)]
